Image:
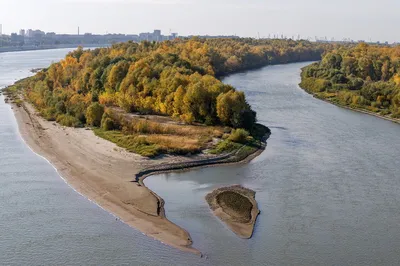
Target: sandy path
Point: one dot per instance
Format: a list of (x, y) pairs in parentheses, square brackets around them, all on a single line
[(103, 173)]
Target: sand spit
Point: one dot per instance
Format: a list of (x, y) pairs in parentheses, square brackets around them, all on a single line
[(105, 174), (236, 207)]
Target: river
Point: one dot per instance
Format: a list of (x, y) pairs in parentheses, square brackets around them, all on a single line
[(327, 185), (45, 222)]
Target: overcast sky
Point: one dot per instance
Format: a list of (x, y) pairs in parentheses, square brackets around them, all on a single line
[(356, 19)]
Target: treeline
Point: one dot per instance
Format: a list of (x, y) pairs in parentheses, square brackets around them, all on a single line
[(175, 78), (364, 76), (232, 55)]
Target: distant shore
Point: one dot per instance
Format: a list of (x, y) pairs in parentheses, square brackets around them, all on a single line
[(105, 174), (47, 47)]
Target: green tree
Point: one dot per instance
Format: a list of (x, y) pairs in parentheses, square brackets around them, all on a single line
[(94, 114)]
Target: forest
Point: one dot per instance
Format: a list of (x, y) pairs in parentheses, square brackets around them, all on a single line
[(178, 79), (364, 76)]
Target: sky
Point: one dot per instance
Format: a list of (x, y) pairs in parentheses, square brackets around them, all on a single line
[(356, 19)]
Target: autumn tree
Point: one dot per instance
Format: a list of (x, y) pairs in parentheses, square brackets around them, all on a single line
[(94, 114)]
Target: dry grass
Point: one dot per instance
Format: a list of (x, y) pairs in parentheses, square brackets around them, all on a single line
[(161, 125), (143, 126), (155, 144), (152, 135), (176, 144)]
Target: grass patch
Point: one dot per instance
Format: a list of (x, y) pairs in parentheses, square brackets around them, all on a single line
[(173, 144), (244, 149), (225, 146), (135, 125), (131, 143), (152, 145)]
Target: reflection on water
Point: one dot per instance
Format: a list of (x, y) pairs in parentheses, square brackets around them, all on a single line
[(327, 184)]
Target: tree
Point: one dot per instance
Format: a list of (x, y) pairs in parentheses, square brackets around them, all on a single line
[(239, 135), (232, 107)]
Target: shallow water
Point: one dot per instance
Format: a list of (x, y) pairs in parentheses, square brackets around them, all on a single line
[(328, 184), (42, 220)]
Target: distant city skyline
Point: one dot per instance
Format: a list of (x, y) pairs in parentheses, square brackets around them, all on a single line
[(158, 35), (358, 20)]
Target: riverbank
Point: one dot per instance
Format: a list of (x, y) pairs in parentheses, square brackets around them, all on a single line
[(360, 110), (103, 173)]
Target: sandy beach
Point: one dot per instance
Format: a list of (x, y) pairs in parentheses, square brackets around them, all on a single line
[(103, 172)]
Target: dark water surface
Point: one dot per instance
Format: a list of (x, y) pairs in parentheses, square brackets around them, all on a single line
[(328, 185)]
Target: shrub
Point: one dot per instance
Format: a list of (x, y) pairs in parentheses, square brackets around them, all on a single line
[(239, 135), (225, 136), (68, 121), (225, 146), (94, 114), (107, 124), (60, 107), (49, 113), (396, 115)]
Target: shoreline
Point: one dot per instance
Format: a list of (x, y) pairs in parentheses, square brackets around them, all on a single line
[(104, 174), (228, 159), (359, 110)]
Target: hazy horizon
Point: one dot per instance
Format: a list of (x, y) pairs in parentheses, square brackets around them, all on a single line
[(358, 20)]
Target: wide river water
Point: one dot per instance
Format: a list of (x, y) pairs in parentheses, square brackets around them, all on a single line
[(328, 186)]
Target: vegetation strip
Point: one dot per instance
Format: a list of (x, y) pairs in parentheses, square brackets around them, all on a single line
[(233, 157), (363, 78)]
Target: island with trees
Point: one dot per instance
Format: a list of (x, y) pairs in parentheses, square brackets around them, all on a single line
[(128, 92), (107, 118), (363, 77)]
